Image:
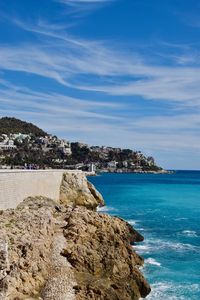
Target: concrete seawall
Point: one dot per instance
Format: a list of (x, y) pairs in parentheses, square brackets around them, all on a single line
[(16, 185)]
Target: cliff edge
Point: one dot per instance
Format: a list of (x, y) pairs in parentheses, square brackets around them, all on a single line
[(67, 251), (77, 190)]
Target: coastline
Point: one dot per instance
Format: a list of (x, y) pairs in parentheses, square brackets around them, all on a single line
[(165, 209), (66, 249), (136, 172)]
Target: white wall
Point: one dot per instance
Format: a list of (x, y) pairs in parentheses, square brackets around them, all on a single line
[(16, 185)]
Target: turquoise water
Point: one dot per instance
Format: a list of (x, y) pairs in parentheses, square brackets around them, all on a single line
[(166, 210)]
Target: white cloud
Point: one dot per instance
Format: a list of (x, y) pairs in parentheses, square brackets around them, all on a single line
[(80, 8), (76, 118), (22, 97), (82, 1), (96, 66), (104, 70)]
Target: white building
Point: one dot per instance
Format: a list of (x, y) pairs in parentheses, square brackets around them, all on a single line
[(92, 168), (112, 164), (20, 137), (65, 147), (7, 144), (125, 164)]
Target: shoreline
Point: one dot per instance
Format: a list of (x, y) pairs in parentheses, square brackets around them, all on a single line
[(134, 172), (53, 244)]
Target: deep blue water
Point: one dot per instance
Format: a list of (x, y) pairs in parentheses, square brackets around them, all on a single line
[(166, 210)]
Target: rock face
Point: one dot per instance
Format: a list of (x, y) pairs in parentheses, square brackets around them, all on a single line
[(64, 251), (99, 250), (76, 190)]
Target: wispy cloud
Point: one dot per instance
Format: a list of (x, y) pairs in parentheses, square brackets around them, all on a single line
[(97, 121), (96, 66), (82, 1), (19, 96), (80, 8), (102, 70)]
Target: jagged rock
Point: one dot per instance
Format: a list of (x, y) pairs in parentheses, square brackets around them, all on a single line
[(52, 251), (106, 267), (76, 190), (29, 231), (4, 264), (61, 279)]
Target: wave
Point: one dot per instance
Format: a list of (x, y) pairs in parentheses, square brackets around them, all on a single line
[(173, 291), (135, 224), (140, 229), (152, 261), (106, 209), (189, 233), (180, 219), (142, 248), (156, 245), (132, 222)]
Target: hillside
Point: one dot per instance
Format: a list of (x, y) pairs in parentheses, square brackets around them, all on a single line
[(47, 151), (13, 125)]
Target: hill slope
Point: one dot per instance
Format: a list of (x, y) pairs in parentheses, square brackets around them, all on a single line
[(52, 152), (13, 125)]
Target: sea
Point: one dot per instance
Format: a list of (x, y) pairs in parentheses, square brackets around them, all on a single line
[(165, 209)]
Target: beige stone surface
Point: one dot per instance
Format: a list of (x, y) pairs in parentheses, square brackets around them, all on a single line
[(51, 250), (56, 252), (76, 190), (15, 185), (99, 249)]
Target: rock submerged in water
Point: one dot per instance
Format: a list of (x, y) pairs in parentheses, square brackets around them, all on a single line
[(65, 251)]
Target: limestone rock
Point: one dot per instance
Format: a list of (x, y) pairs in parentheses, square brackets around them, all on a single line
[(75, 189), (65, 251), (106, 266), (4, 264)]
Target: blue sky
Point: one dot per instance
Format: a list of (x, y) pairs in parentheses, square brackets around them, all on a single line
[(120, 72)]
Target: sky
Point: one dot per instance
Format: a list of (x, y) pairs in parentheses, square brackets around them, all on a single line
[(122, 73)]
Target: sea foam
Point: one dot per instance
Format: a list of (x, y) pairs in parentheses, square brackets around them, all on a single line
[(106, 209), (132, 222), (156, 245), (152, 261), (172, 291), (189, 233)]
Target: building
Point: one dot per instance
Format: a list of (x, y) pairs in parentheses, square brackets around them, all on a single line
[(125, 164), (112, 164), (7, 144), (19, 137), (65, 147), (92, 168)]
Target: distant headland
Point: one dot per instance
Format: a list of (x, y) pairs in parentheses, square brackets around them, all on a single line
[(24, 145)]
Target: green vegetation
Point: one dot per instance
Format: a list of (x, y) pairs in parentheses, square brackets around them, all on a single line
[(13, 125), (40, 150)]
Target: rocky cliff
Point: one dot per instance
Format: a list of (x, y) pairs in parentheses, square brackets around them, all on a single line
[(68, 251), (77, 190)]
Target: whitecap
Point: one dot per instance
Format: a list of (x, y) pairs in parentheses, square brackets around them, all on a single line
[(142, 248), (159, 291), (106, 209), (180, 219), (189, 233), (172, 291), (132, 222), (155, 245), (152, 261), (140, 229)]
